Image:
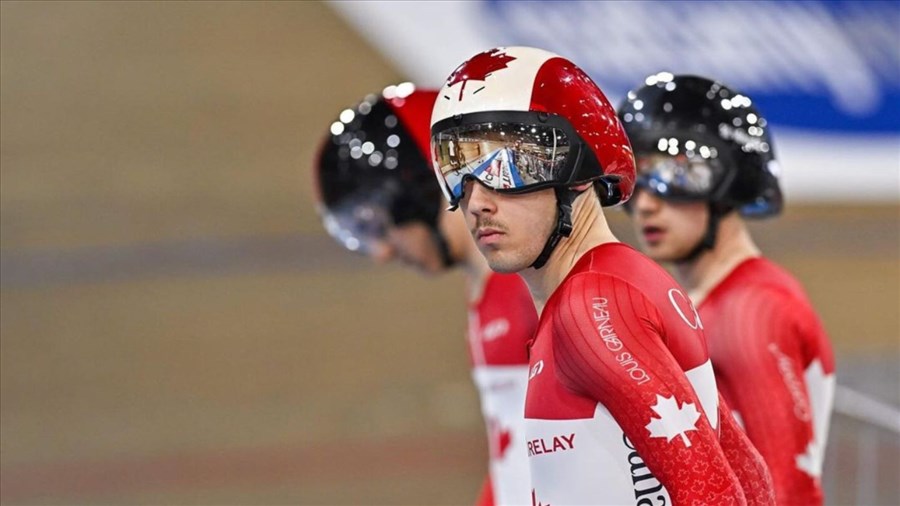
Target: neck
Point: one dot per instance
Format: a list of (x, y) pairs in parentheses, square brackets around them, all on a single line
[(589, 230), (733, 246)]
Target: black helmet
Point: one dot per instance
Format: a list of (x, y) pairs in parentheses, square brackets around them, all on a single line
[(373, 168), (715, 144)]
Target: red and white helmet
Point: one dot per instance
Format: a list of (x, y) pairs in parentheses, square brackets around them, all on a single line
[(520, 119)]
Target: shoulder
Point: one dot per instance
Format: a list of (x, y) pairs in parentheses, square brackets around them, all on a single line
[(507, 296), (585, 298), (612, 257), (621, 261), (761, 303), (763, 274), (500, 285), (594, 284), (761, 284)]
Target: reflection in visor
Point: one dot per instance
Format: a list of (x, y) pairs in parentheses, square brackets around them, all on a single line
[(357, 224), (677, 176), (503, 156)]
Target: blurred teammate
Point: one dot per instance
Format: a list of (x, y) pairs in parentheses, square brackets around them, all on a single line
[(622, 406), (376, 196), (705, 158)]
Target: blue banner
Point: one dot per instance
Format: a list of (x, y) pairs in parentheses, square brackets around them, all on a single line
[(812, 65)]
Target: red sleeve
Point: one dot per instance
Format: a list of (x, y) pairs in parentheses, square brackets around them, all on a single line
[(745, 461), (486, 494), (659, 411), (769, 344)]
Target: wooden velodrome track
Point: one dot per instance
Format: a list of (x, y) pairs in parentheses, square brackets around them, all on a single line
[(176, 328)]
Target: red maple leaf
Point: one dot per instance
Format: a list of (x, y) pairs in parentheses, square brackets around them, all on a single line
[(503, 442), (479, 67), (499, 439)]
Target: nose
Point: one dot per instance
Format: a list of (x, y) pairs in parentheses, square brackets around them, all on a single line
[(478, 199), (645, 203), (381, 252)]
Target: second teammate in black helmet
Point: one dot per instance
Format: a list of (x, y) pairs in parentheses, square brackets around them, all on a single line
[(705, 162), (697, 140)]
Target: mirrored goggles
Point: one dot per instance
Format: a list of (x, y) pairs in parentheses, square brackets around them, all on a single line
[(506, 156), (357, 223), (678, 177)]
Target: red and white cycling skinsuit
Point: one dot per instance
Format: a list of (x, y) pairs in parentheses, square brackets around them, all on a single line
[(622, 406), (501, 324), (775, 367)]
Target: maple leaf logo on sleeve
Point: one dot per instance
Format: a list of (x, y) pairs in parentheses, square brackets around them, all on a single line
[(673, 420), (478, 68)]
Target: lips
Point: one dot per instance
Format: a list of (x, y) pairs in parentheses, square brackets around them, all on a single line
[(485, 236), (652, 234)]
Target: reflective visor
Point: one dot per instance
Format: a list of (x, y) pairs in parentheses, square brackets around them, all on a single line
[(678, 177), (358, 223), (510, 157)]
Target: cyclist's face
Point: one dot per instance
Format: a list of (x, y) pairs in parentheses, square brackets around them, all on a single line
[(413, 244), (667, 231), (509, 230)]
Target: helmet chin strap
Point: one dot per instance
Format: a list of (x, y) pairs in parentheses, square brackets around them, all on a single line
[(443, 247), (708, 241), (564, 200)]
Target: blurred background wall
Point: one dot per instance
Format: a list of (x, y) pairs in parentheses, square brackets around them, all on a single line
[(176, 328)]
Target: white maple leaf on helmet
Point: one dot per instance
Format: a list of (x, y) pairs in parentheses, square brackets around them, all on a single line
[(673, 420)]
